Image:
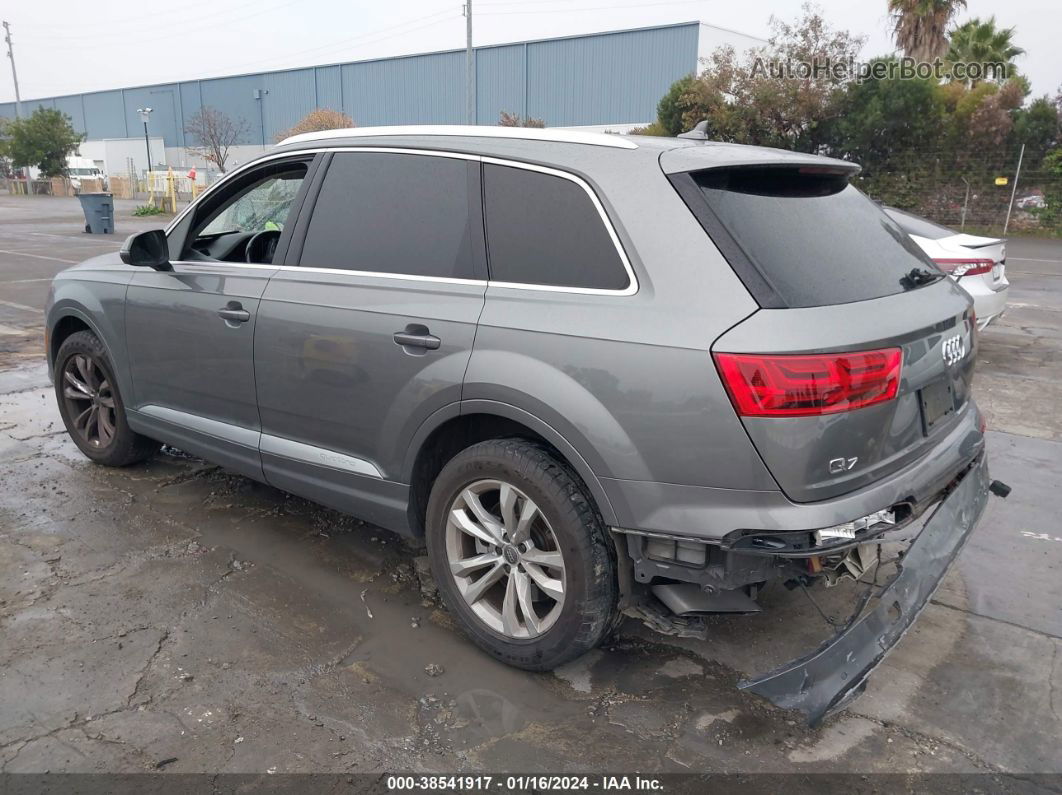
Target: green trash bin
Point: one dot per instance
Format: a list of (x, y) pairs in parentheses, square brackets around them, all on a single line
[(99, 212)]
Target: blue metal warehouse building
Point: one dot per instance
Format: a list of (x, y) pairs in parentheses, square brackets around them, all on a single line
[(598, 79)]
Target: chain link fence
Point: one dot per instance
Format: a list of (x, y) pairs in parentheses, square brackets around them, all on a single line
[(973, 193)]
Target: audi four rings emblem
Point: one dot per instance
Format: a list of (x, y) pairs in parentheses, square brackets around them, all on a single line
[(953, 349)]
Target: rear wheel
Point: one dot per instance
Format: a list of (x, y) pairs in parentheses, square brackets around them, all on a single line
[(91, 406), (520, 555)]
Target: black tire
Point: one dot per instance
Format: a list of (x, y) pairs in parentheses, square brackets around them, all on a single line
[(588, 610), (123, 446)]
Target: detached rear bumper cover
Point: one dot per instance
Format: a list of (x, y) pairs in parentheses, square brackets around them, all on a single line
[(834, 673)]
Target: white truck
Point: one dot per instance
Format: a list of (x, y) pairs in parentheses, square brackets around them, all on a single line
[(81, 168)]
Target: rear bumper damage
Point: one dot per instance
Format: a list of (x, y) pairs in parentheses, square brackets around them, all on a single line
[(827, 678)]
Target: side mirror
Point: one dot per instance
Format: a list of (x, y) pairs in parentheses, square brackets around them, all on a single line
[(147, 250)]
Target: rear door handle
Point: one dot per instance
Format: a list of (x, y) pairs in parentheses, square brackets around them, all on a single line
[(234, 312), (417, 339)]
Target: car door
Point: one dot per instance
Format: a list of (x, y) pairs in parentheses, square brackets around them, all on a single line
[(190, 329), (371, 333)]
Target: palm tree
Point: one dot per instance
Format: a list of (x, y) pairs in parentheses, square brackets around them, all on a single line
[(920, 26), (980, 41)]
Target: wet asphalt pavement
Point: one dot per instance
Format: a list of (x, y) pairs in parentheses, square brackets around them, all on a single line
[(172, 616)]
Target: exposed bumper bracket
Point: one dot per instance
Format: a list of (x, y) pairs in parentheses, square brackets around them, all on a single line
[(836, 672)]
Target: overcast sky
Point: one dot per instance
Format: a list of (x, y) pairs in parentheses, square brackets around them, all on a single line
[(68, 46)]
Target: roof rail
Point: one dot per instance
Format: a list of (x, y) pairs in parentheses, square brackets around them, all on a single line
[(471, 131)]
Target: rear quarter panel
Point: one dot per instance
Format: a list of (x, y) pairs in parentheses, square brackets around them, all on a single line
[(628, 380)]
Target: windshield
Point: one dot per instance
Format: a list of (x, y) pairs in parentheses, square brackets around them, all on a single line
[(262, 206), (813, 237)]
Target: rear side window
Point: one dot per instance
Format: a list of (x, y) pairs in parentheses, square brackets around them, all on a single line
[(812, 237), (546, 230), (393, 213)]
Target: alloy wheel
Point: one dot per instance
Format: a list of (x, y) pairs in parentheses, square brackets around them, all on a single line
[(505, 559), (89, 400)]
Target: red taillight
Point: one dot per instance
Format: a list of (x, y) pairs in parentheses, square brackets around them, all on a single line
[(965, 267), (798, 386)]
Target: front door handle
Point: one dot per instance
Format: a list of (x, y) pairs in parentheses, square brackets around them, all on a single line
[(415, 336), (233, 312)]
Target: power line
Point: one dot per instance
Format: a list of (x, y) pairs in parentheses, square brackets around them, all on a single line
[(369, 37), (212, 14), (366, 38), (219, 17), (569, 8)]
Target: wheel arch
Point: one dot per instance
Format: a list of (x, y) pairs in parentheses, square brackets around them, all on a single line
[(449, 431), (65, 325), (78, 308)]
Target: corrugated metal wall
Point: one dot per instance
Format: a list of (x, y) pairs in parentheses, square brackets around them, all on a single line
[(602, 78)]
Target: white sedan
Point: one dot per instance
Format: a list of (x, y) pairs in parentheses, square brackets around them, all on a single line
[(978, 264)]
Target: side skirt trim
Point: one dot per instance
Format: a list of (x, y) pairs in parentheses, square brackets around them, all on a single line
[(264, 442), (193, 422), (319, 456)]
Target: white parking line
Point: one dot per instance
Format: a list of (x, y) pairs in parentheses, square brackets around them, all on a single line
[(1020, 305), (71, 239), (1040, 536), (38, 256), (23, 307), (1030, 259)]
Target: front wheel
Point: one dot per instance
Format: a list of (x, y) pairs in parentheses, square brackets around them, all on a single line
[(520, 554), (91, 406)]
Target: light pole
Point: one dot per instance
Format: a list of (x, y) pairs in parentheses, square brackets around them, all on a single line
[(144, 113)]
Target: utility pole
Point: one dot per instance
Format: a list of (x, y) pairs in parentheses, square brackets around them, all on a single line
[(1013, 189), (14, 74), (144, 113), (470, 74)]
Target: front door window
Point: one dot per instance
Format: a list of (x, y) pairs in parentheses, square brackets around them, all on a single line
[(244, 223)]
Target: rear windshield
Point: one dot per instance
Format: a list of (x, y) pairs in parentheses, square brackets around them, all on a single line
[(916, 225), (812, 238)]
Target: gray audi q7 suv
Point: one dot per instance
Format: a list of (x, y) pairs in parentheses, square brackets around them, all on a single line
[(595, 373)]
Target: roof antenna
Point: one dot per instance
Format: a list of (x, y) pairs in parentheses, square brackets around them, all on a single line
[(698, 133)]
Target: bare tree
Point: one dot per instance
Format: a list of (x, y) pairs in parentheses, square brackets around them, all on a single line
[(507, 119), (214, 134)]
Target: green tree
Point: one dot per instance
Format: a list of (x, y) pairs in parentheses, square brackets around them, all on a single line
[(980, 41), (745, 100), (919, 26), (890, 127), (1039, 127), (674, 105), (1051, 214), (5, 162), (981, 120), (884, 119), (44, 140)]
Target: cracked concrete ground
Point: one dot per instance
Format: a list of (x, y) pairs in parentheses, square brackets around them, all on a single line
[(172, 616)]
